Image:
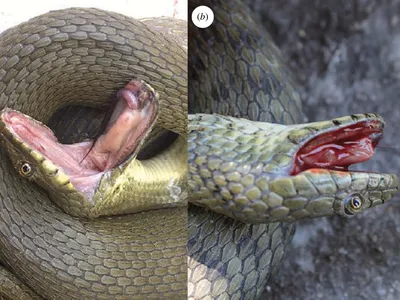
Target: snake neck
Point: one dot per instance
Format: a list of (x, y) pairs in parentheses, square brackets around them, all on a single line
[(155, 183)]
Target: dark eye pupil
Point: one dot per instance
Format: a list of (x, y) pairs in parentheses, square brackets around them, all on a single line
[(356, 203), (25, 168)]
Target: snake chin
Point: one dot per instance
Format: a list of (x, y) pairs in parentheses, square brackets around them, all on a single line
[(85, 163)]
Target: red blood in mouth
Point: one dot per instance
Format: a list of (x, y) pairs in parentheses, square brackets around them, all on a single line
[(340, 148)]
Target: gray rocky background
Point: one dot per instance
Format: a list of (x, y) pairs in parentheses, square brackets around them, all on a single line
[(345, 55)]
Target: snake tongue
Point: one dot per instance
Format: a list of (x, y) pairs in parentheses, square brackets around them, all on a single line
[(339, 148)]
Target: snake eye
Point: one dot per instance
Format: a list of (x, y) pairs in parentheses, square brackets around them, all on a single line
[(353, 204), (25, 169)]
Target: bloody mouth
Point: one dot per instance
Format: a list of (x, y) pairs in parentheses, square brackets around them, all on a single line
[(340, 148)]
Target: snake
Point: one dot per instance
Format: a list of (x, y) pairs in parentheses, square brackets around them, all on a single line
[(248, 181), (67, 240), (255, 166)]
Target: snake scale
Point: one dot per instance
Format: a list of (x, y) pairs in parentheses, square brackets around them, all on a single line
[(78, 56), (235, 70)]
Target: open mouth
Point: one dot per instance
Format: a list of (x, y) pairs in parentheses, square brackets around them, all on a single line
[(130, 121), (339, 148)]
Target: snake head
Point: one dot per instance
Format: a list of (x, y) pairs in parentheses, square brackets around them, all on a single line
[(68, 172), (262, 172), (319, 172)]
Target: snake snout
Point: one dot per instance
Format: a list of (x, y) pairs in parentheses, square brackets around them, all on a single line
[(377, 189)]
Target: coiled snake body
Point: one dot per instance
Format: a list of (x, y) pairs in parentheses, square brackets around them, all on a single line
[(82, 57), (242, 169)]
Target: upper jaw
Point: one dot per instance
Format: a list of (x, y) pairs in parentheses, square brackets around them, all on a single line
[(306, 131), (373, 188)]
